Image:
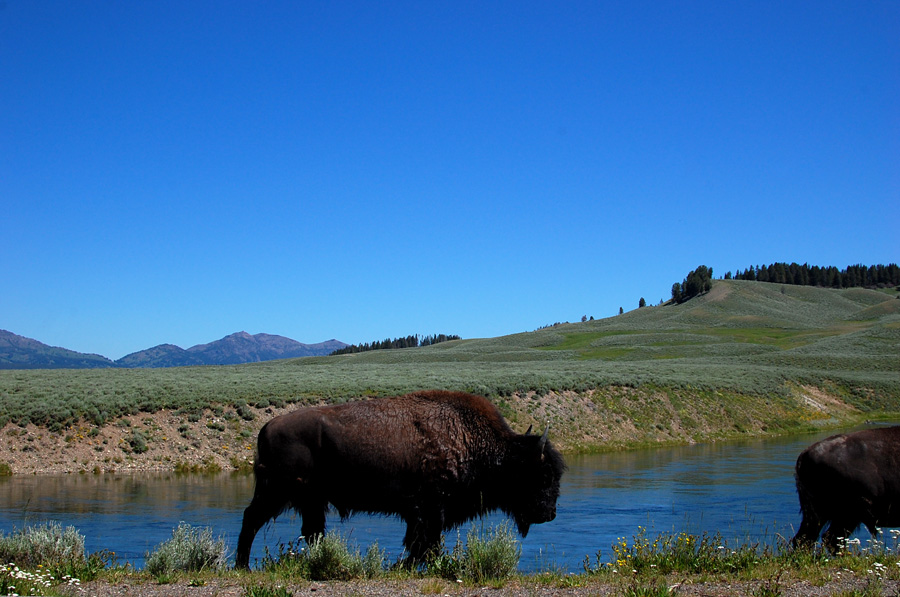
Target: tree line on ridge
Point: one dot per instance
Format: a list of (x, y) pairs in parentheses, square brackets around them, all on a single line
[(853, 276), (388, 343), (699, 280)]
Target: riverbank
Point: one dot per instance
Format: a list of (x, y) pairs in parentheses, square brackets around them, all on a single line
[(602, 419)]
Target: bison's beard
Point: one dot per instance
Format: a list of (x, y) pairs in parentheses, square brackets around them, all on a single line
[(522, 525)]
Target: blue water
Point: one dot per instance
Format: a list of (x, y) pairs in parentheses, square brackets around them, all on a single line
[(745, 491)]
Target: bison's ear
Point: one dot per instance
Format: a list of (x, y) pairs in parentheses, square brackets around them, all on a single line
[(529, 430)]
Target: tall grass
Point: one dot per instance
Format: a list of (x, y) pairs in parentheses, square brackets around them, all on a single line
[(190, 549), (330, 557)]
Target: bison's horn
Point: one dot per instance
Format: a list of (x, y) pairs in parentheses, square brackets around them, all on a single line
[(544, 437), (529, 430)]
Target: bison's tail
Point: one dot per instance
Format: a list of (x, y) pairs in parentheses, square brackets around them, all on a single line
[(804, 491), (260, 470)]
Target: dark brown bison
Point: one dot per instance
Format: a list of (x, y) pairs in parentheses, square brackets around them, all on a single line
[(435, 459), (848, 480)]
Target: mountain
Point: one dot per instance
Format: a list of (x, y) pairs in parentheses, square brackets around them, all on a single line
[(164, 355), (234, 349), (18, 352)]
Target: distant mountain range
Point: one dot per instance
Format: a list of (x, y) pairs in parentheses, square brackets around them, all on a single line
[(18, 352)]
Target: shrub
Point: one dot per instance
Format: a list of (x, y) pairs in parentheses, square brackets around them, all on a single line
[(326, 558), (137, 441), (46, 544), (245, 412), (330, 558), (491, 555), (189, 550), (448, 565)]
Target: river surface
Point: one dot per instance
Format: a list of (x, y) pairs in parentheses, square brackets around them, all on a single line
[(745, 491)]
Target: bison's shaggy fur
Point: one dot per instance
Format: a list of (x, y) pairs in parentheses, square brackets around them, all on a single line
[(436, 459)]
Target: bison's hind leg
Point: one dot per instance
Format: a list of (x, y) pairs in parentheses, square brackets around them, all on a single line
[(312, 511), (309, 502), (267, 503), (808, 534), (814, 519)]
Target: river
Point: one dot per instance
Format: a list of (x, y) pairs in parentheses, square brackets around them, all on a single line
[(743, 490)]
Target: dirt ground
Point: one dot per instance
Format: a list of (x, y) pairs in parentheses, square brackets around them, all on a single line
[(517, 588), (161, 441)]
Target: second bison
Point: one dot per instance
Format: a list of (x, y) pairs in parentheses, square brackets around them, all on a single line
[(848, 480)]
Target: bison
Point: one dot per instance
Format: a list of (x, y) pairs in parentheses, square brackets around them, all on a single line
[(435, 459), (848, 480)]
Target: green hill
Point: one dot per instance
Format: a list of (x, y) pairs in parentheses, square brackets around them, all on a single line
[(746, 357), (746, 336)]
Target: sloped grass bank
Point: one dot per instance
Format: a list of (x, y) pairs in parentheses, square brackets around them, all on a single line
[(623, 417)]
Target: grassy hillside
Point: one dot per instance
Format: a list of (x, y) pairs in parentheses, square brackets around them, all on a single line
[(746, 357)]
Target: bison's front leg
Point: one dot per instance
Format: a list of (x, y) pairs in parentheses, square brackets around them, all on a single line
[(423, 538)]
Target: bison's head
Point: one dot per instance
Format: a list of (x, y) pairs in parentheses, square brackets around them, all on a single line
[(539, 469)]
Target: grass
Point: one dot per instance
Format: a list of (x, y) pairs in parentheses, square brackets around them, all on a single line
[(645, 565)]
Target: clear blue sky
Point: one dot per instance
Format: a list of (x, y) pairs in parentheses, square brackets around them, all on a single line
[(178, 171)]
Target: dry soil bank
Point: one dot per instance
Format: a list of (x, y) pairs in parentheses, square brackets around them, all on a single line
[(608, 418)]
